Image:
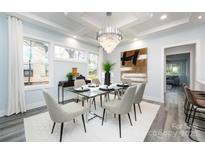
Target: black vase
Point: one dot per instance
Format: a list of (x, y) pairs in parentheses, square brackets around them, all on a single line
[(107, 78)]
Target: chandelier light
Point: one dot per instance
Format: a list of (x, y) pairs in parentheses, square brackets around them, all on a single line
[(109, 37)]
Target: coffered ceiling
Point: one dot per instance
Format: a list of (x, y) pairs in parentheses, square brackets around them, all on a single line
[(134, 25)]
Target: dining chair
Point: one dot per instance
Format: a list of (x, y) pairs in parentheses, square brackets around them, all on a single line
[(121, 107), (77, 84), (196, 106), (64, 113), (198, 95), (97, 82), (127, 81), (138, 97)]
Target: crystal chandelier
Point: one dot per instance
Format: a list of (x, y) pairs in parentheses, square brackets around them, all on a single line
[(109, 37)]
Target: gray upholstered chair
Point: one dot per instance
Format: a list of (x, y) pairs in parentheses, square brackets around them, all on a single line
[(138, 97), (77, 84), (96, 81), (64, 113), (127, 81), (122, 106)]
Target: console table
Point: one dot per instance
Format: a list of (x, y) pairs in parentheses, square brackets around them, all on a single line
[(64, 84)]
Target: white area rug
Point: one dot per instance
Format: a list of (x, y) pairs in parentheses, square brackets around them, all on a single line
[(38, 127)]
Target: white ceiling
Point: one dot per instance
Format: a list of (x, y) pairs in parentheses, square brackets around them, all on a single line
[(133, 25)]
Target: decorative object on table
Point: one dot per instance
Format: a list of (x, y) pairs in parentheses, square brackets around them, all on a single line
[(109, 37), (75, 72), (107, 68), (134, 65), (122, 85), (81, 89), (106, 88), (70, 76)]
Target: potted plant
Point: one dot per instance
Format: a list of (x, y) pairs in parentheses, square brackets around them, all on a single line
[(107, 67), (70, 76)]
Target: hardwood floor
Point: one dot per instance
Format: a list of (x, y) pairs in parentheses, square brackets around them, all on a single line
[(168, 125)]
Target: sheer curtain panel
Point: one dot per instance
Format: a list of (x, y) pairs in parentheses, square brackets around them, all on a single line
[(16, 96)]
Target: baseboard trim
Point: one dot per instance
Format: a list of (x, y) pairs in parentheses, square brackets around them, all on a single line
[(158, 100), (2, 113), (35, 105)]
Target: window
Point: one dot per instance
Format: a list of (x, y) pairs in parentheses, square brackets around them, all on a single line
[(63, 53), (35, 59), (92, 66), (174, 69)]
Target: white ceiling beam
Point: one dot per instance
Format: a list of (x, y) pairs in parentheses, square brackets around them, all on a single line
[(164, 27), (135, 22)]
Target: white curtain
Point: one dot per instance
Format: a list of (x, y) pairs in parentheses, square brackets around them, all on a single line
[(16, 98)]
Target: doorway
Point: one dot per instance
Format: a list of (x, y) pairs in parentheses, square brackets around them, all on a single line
[(179, 66), (179, 69)]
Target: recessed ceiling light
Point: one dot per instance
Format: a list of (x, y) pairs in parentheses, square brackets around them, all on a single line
[(163, 17), (151, 15), (199, 17), (74, 36), (135, 39)]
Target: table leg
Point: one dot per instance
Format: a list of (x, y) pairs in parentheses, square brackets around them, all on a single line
[(58, 94), (62, 95)]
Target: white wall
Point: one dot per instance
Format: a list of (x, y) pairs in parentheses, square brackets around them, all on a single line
[(34, 98), (3, 63), (154, 89)]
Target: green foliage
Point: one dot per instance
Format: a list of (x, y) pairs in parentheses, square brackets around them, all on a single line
[(108, 66), (70, 76)]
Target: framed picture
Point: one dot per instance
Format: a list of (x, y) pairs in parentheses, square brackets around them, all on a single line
[(134, 65)]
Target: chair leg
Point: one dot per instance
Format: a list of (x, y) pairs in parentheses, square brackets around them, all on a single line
[(105, 97), (74, 120), (103, 116), (83, 122), (61, 134), (82, 102), (53, 127), (94, 103), (119, 117), (191, 126), (129, 119), (135, 112), (101, 100), (140, 108), (190, 112)]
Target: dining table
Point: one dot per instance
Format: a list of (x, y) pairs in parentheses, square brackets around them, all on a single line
[(90, 92)]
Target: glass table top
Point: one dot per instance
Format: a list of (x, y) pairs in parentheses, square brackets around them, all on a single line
[(93, 91)]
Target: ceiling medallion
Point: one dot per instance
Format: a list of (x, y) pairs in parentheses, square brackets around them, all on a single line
[(109, 37)]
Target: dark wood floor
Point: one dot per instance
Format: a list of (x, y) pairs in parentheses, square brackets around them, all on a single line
[(168, 125)]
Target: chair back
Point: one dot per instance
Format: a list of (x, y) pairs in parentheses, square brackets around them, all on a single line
[(127, 81), (139, 93), (96, 81), (54, 110), (127, 100), (79, 82), (190, 97)]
